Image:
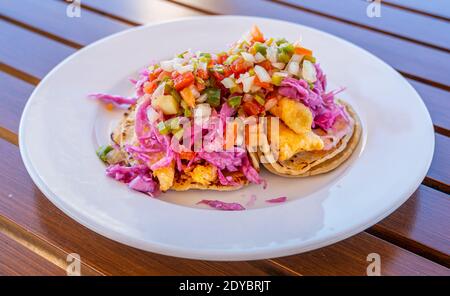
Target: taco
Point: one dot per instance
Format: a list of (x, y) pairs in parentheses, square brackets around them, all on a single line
[(312, 152)]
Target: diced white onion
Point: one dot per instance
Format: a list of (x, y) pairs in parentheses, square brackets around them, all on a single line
[(309, 71), (282, 74), (152, 115), (202, 111), (296, 58), (202, 98), (167, 65), (272, 54), (184, 69), (279, 65), (248, 57), (247, 83), (293, 68), (159, 91), (259, 57), (202, 66), (194, 91), (228, 82), (262, 74)]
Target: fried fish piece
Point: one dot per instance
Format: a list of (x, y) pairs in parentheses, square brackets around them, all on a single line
[(290, 143), (165, 176), (204, 174), (294, 114)]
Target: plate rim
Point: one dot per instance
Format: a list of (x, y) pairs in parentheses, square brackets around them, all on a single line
[(215, 254)]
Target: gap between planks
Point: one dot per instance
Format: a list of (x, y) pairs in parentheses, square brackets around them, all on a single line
[(12, 137), (42, 248), (359, 25), (413, 10)]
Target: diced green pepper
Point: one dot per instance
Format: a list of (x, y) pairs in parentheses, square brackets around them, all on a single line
[(276, 79), (213, 96), (173, 92), (281, 41), (187, 112), (269, 41), (251, 72), (205, 54), (287, 48), (311, 85), (231, 59), (261, 48), (163, 128), (283, 57), (310, 58), (102, 151), (173, 123), (234, 101), (260, 99), (181, 55)]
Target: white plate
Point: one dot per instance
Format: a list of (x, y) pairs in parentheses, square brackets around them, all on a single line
[(60, 130)]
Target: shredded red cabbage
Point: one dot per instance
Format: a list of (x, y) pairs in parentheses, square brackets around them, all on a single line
[(117, 100), (322, 105), (221, 205), (137, 177), (277, 200)]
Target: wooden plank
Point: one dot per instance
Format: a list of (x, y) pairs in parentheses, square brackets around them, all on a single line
[(432, 7), (30, 52), (437, 102), (392, 21), (406, 61), (338, 259), (34, 62), (15, 93), (440, 166), (140, 11), (420, 224), (80, 30), (21, 202), (15, 259)]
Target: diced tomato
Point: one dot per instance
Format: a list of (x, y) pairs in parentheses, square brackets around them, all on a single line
[(202, 74), (163, 75), (256, 34), (200, 85), (239, 66), (220, 76), (154, 74), (183, 80), (266, 65), (149, 87), (303, 51), (258, 82), (221, 58), (252, 108)]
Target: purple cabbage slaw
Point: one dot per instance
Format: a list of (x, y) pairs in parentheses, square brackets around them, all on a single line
[(322, 105), (221, 205), (137, 177), (116, 100), (277, 200)]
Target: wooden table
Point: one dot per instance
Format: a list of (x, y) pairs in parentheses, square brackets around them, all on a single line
[(35, 237)]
